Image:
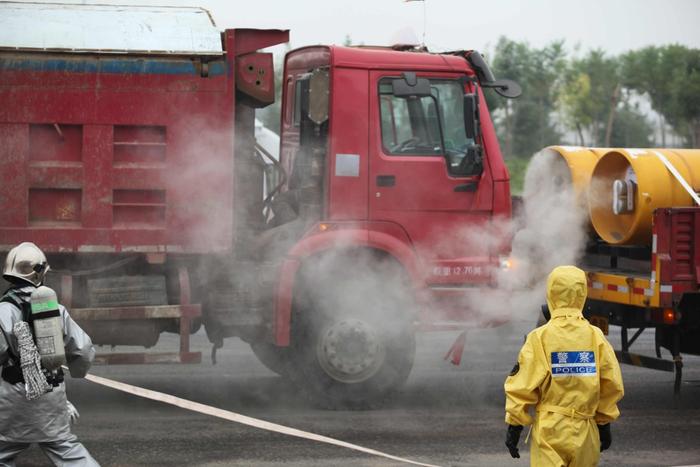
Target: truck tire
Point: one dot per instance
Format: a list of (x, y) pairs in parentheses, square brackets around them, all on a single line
[(353, 339), (275, 359)]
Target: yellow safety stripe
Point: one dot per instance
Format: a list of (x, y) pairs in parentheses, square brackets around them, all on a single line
[(628, 290)]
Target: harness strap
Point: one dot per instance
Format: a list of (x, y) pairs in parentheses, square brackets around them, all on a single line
[(15, 299), (566, 411), (11, 297), (12, 372)]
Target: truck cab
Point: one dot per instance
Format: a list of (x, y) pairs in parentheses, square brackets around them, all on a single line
[(400, 165), (394, 186)]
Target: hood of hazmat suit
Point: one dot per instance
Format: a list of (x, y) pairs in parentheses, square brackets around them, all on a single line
[(44, 419), (567, 373)]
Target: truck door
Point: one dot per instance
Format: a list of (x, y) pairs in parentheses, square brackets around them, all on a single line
[(424, 177)]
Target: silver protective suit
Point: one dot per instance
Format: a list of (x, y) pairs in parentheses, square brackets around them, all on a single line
[(45, 420)]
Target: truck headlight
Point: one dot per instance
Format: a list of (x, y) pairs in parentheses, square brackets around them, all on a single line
[(505, 262)]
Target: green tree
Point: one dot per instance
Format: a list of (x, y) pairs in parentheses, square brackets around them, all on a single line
[(670, 77), (525, 125), (575, 102), (589, 96), (631, 129)]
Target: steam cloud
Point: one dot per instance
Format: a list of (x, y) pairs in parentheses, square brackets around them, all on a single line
[(550, 230)]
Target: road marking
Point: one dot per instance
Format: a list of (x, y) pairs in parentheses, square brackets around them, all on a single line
[(238, 418)]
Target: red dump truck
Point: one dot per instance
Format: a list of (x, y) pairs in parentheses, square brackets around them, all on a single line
[(127, 153)]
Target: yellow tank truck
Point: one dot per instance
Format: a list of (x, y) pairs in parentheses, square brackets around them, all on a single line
[(642, 256)]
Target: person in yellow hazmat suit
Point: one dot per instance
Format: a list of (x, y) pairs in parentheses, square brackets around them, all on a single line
[(568, 373)]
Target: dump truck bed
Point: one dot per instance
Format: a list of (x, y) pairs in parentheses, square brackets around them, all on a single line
[(106, 148)]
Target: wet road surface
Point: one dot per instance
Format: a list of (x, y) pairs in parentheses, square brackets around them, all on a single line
[(445, 415)]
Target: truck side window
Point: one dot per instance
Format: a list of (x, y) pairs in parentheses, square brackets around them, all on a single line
[(395, 126), (412, 126)]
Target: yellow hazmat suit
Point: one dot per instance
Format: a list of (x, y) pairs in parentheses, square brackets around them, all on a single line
[(567, 371)]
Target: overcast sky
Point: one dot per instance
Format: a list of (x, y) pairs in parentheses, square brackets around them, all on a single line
[(613, 25)]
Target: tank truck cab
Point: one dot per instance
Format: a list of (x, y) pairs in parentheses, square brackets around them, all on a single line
[(392, 167)]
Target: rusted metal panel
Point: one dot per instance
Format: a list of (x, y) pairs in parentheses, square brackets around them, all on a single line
[(14, 148), (108, 29), (147, 358), (136, 312), (137, 152), (130, 146), (250, 40), (126, 291), (91, 317), (255, 77)]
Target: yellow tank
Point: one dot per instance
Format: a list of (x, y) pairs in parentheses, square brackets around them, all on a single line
[(558, 168), (627, 185), (581, 162)]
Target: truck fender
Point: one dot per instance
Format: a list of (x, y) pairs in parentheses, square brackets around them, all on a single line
[(315, 244)]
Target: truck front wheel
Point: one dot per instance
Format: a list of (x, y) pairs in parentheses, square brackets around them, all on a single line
[(354, 340)]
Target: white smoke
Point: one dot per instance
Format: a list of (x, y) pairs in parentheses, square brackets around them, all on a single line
[(554, 220), (550, 230)]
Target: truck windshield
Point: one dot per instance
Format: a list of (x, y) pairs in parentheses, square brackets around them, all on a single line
[(411, 126)]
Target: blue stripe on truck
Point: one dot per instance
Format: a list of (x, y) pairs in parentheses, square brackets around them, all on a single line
[(116, 66)]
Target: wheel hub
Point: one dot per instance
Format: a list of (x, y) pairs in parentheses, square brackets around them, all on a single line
[(350, 350)]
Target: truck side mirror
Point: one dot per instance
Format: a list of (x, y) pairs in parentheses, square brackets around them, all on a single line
[(410, 86), (470, 116), (505, 87)]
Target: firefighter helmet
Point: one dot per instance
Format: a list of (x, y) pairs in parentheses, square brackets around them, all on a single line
[(26, 262)]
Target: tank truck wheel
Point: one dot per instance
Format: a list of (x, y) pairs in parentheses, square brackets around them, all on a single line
[(354, 340), (275, 359)]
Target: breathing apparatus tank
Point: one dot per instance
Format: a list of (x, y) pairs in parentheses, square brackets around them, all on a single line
[(48, 328)]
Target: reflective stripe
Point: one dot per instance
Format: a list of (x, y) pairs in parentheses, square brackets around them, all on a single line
[(622, 288), (666, 289), (564, 365)]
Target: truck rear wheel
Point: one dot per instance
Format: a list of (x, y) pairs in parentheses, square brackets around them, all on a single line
[(354, 340)]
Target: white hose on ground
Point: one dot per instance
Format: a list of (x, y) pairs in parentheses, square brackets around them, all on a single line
[(238, 418)]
